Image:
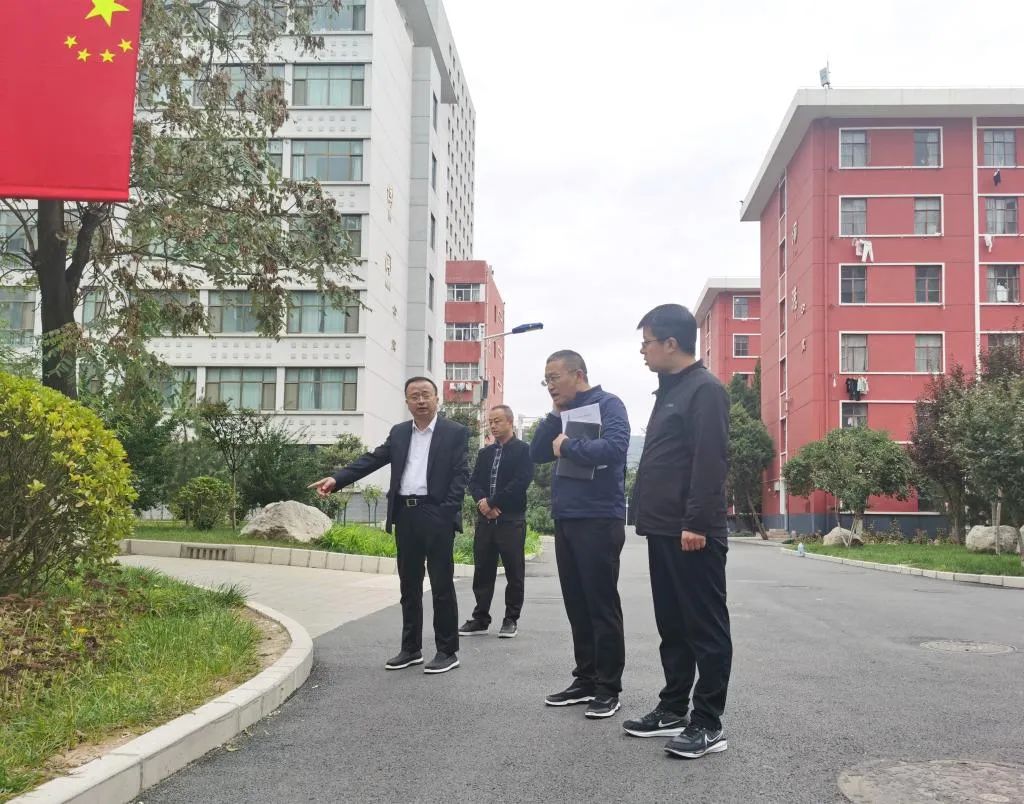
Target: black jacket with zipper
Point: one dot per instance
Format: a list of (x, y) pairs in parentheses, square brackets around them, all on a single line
[(680, 483), (515, 473)]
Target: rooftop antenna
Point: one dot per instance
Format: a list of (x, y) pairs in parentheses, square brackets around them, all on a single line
[(825, 75)]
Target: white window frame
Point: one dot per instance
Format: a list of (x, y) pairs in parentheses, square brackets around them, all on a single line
[(906, 333), (868, 235), (942, 147), (748, 336), (988, 266), (746, 317)]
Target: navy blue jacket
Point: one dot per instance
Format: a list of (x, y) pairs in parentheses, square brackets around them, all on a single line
[(604, 497)]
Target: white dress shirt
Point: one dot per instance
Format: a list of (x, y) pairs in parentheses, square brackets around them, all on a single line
[(414, 477)]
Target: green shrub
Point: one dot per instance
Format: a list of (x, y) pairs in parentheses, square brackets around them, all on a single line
[(203, 502), (65, 486), (358, 540)]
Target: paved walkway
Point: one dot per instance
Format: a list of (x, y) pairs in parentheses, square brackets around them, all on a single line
[(829, 672)]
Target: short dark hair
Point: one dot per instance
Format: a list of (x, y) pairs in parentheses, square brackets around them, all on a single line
[(672, 321), (507, 410), (573, 360), (411, 380)]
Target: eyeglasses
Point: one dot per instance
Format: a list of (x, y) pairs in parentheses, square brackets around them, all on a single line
[(550, 380), (419, 397), (645, 343)]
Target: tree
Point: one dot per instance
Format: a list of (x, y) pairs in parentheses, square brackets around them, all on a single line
[(371, 496), (342, 452), (747, 394), (538, 495), (236, 434), (208, 202), (279, 468), (852, 464), (750, 453)]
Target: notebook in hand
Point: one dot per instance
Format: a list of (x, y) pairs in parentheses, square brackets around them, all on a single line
[(585, 431)]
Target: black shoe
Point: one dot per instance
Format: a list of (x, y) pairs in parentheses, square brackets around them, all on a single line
[(473, 628), (603, 706), (696, 741), (659, 723), (575, 694), (509, 628), (441, 663), (404, 659)]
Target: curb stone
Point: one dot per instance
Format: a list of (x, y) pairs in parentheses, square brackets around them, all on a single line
[(1008, 581), (122, 774)]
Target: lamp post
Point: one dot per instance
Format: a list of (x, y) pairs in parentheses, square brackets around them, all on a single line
[(484, 385)]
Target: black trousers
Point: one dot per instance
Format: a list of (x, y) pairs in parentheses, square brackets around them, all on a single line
[(424, 534), (587, 553), (693, 621), (493, 539)]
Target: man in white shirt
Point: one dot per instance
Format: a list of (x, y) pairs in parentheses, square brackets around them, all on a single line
[(429, 459)]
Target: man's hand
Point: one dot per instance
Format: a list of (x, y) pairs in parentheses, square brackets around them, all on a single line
[(323, 487), (692, 541), (483, 507), (494, 513), (556, 445)]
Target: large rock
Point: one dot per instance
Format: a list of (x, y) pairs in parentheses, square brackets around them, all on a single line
[(982, 539), (288, 520), (841, 536)]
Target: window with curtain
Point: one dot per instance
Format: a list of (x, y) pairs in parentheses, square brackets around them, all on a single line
[(853, 217), (1001, 216), (231, 311), (1000, 147), (17, 315), (327, 160), (1004, 284), (854, 353), (329, 85), (928, 353), (928, 284), (324, 389), (927, 147), (853, 285), (927, 216), (310, 312), (853, 148), (252, 388)]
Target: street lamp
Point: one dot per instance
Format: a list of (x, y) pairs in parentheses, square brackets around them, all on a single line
[(484, 385)]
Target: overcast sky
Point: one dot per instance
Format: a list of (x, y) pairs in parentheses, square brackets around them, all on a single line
[(616, 139)]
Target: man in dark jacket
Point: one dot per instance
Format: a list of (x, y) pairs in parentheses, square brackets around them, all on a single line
[(588, 504), (679, 505), (429, 458), (503, 472)]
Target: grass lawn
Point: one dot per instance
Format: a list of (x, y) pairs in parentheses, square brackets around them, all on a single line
[(945, 557), (91, 658), (356, 539)]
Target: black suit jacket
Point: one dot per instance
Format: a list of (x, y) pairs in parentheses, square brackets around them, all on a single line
[(515, 473), (447, 466)]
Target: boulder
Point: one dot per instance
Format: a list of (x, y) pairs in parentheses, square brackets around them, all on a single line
[(288, 520), (982, 539), (840, 536)]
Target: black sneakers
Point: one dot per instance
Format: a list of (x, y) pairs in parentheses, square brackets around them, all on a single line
[(509, 628), (404, 659), (603, 706), (696, 741), (659, 723), (473, 628), (441, 663), (575, 694)]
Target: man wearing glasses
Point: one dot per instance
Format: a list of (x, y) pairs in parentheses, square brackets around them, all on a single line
[(588, 504), (429, 459)]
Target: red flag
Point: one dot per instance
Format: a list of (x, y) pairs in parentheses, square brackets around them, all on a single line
[(67, 97)]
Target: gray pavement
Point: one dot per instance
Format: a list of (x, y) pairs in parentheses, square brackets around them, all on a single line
[(828, 673)]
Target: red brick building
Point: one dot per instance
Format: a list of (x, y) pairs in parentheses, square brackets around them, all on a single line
[(890, 251), (728, 313), (473, 310)]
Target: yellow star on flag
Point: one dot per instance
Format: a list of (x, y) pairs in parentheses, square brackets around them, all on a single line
[(105, 9), (71, 41), (125, 45), (83, 55), (107, 56)]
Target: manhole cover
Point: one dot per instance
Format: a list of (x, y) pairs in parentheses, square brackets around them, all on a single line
[(961, 646), (948, 781)]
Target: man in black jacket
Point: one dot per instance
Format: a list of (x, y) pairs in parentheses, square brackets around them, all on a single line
[(679, 505), (429, 459), (503, 472)]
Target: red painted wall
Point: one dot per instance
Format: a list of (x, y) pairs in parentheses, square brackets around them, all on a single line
[(491, 313)]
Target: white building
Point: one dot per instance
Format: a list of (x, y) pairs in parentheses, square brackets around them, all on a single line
[(381, 115)]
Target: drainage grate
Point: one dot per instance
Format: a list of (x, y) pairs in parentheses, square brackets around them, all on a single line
[(962, 646), (206, 553)]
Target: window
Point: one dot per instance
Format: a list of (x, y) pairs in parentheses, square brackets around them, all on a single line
[(1000, 147), (433, 231), (1004, 284), (782, 198), (1001, 216), (275, 155), (741, 307), (1004, 340), (928, 353), (853, 286), (854, 353), (178, 311), (430, 292), (745, 376), (462, 371), (180, 387), (248, 80), (12, 234), (327, 160), (17, 316), (853, 148), (741, 346), (353, 226), (329, 85), (928, 284), (328, 389), (252, 388), (855, 414), (433, 112), (926, 147), (782, 317), (433, 171), (349, 16), (231, 311), (853, 217), (927, 216), (237, 19), (464, 332), (94, 305), (430, 353), (467, 293), (310, 312)]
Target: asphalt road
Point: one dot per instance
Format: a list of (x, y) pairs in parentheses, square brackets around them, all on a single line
[(828, 673)]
